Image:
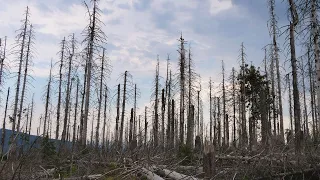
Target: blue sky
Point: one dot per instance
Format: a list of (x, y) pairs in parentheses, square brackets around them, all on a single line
[(139, 30)]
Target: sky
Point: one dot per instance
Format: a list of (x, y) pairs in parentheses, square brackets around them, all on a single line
[(139, 30)]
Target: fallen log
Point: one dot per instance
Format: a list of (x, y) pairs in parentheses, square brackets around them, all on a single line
[(150, 175), (175, 175)]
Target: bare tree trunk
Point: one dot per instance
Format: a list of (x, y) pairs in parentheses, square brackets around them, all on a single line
[(163, 108), (31, 114), (118, 115), (123, 108), (156, 123), (104, 118), (243, 103), (100, 99), (60, 87), (145, 126), (25, 78), (234, 106), (134, 134), (66, 110), (3, 136), (75, 115), (290, 105), (305, 111), (210, 106), (92, 39), (47, 102), (312, 98), (296, 99), (225, 119), (182, 66), (190, 135), (21, 56), (131, 128), (173, 127), (170, 119)]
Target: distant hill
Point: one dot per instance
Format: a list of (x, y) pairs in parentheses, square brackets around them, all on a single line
[(25, 140)]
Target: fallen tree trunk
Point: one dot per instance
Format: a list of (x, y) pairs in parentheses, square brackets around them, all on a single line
[(150, 175)]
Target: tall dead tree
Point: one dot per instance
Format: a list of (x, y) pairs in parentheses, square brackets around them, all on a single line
[(124, 97), (305, 109), (104, 118), (289, 99), (169, 116), (25, 75), (95, 39), (68, 96), (118, 115), (210, 108), (296, 100), (145, 126), (21, 40), (100, 97), (182, 84), (156, 100), (31, 114), (60, 86), (47, 101), (234, 106), (75, 114), (225, 116), (275, 56), (243, 101)]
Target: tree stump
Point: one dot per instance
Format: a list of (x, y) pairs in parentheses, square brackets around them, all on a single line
[(208, 160)]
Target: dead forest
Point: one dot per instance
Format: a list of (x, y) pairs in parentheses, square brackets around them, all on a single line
[(243, 135)]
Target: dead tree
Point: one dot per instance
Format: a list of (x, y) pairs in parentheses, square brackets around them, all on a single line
[(25, 75), (118, 115), (234, 106), (75, 114), (243, 101), (3, 135), (296, 99), (305, 110), (210, 108), (275, 55), (60, 86), (95, 38), (100, 97), (156, 116), (66, 110), (104, 118), (145, 126), (163, 109), (290, 101), (21, 43), (47, 101), (169, 116), (225, 119), (31, 113), (182, 84)]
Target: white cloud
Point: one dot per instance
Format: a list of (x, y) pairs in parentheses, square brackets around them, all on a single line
[(218, 6)]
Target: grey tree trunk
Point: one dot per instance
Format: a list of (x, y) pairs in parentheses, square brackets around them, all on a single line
[(47, 102), (123, 108), (156, 119), (3, 136), (21, 55), (100, 99), (31, 114), (296, 99), (75, 115), (60, 88), (66, 110), (28, 54), (118, 115), (104, 118), (182, 66)]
